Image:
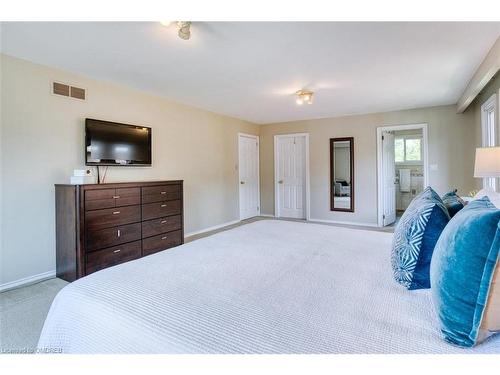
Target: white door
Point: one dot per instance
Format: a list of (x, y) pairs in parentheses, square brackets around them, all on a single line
[(388, 179), (248, 147), (291, 176)]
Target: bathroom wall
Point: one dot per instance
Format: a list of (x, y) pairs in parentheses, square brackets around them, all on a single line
[(403, 199)]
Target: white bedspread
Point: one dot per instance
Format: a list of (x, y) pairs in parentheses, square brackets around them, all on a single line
[(266, 287)]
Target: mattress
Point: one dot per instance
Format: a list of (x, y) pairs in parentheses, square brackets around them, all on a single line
[(271, 286)]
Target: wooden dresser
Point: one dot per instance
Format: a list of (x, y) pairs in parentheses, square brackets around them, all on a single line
[(98, 226)]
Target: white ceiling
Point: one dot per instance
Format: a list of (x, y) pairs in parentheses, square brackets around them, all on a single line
[(250, 70)]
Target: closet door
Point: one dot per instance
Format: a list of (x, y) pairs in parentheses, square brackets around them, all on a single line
[(248, 146), (291, 176)]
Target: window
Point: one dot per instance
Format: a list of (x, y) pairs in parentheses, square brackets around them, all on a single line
[(489, 132), (408, 149)]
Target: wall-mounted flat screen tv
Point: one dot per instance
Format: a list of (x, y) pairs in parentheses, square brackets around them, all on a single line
[(111, 143)]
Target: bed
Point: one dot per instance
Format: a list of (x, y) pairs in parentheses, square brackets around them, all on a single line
[(271, 286)]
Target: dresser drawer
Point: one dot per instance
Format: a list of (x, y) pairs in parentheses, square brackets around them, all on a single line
[(127, 197), (162, 242), (101, 238), (92, 195), (112, 217), (160, 209), (162, 225), (108, 198), (101, 259), (99, 199), (152, 194)]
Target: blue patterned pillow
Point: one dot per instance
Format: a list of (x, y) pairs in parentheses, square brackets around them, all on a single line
[(452, 202), (415, 237)]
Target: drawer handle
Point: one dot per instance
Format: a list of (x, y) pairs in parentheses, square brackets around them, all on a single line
[(116, 197), (164, 238), (163, 222), (163, 192), (119, 233), (117, 251), (116, 212), (163, 205)]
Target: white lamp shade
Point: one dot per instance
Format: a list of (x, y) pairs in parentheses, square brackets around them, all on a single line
[(487, 162)]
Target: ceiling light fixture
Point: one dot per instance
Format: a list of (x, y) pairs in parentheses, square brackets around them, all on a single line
[(183, 27), (304, 96)]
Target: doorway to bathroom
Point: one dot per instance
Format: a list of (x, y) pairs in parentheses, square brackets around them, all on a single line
[(402, 169)]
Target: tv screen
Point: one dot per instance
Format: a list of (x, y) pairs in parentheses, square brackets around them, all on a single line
[(111, 143)]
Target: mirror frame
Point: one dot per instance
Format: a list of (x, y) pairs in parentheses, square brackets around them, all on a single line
[(332, 174)]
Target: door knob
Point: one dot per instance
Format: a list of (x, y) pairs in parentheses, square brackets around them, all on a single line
[(280, 181), (242, 182)]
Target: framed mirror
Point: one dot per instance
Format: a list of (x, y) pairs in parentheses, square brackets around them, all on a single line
[(342, 174)]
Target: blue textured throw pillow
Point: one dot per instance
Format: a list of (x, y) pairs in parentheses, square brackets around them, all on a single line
[(415, 237), (462, 268), (452, 202)]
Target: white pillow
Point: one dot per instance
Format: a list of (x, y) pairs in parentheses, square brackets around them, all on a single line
[(492, 195)]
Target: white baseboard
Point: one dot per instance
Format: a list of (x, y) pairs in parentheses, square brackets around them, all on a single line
[(211, 228), (27, 280), (331, 221), (345, 223)]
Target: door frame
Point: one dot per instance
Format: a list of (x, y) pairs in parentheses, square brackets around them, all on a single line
[(425, 154), (276, 165), (257, 139)]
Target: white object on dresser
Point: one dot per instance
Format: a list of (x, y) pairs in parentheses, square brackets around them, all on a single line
[(82, 180), (82, 176), (82, 172)]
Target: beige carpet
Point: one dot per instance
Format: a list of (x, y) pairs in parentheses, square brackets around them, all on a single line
[(22, 313)]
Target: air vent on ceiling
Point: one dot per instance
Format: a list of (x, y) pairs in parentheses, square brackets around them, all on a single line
[(67, 90)]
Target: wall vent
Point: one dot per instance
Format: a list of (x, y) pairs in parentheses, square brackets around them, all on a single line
[(77, 93), (60, 89), (67, 90)]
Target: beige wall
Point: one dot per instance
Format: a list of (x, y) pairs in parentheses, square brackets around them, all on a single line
[(42, 142), (450, 147)]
